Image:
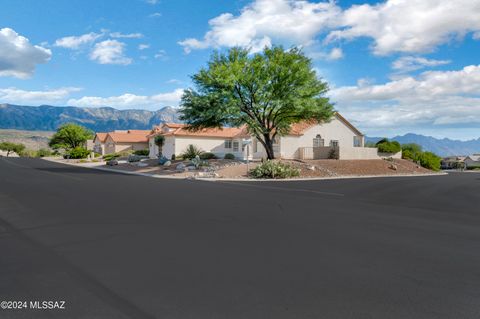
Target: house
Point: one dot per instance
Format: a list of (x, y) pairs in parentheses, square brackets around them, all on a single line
[(452, 162), (472, 161), (117, 141), (99, 143), (337, 138)]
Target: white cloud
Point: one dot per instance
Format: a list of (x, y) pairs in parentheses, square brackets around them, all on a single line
[(161, 54), (110, 52), (412, 63), (155, 15), (413, 26), (174, 81), (18, 96), (334, 54), (265, 21), (18, 57), (126, 35), (75, 42), (153, 2), (434, 98), (143, 46), (128, 100)]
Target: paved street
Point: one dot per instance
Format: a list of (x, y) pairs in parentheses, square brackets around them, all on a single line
[(118, 246)]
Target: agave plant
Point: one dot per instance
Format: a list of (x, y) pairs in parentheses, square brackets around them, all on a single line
[(191, 152)]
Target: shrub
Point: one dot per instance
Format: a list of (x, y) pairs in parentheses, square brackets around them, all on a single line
[(133, 158), (78, 153), (229, 156), (411, 151), (207, 156), (43, 152), (273, 169), (142, 152), (389, 147), (430, 160), (173, 157), (109, 157), (27, 153), (333, 154), (191, 152)]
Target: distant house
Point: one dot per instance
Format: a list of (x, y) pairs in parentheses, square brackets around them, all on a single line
[(452, 162), (337, 138), (118, 141), (473, 161), (99, 143)]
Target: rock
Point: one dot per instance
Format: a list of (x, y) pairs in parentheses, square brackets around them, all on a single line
[(311, 168), (133, 158), (140, 164), (180, 167), (167, 163), (112, 162), (162, 160)]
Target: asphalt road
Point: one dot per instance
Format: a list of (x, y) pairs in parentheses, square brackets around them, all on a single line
[(118, 246)]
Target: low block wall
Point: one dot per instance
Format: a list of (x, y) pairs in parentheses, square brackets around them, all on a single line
[(359, 153)]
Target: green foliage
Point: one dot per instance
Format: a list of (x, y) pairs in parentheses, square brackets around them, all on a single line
[(28, 153), (207, 156), (133, 158), (267, 91), (273, 169), (10, 147), (411, 151), (43, 152), (160, 141), (229, 156), (142, 152), (108, 157), (78, 152), (191, 152), (430, 160), (333, 154), (386, 146), (70, 136)]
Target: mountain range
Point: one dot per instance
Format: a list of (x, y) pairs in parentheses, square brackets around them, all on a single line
[(49, 118), (104, 119), (442, 147)]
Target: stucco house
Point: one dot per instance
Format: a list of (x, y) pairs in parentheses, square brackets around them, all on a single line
[(472, 161), (117, 141), (337, 138)]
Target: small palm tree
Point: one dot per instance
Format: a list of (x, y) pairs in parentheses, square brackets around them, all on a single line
[(160, 141)]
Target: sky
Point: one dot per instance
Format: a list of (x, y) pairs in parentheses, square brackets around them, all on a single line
[(393, 66)]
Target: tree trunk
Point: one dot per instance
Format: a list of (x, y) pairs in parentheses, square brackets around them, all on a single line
[(269, 146)]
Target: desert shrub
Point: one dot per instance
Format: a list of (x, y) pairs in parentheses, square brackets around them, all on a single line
[(229, 156), (78, 153), (27, 153), (173, 157), (429, 160), (133, 158), (109, 157), (191, 152), (333, 154), (387, 146), (142, 152), (125, 153), (207, 156), (43, 152), (273, 169), (411, 151)]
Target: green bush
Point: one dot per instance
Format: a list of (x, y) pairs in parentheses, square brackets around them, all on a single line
[(229, 156), (273, 169), (386, 146), (191, 152), (207, 156), (27, 153), (78, 153), (142, 152), (411, 151), (43, 152), (429, 160), (109, 157)]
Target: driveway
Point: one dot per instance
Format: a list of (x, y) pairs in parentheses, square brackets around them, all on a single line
[(118, 246)]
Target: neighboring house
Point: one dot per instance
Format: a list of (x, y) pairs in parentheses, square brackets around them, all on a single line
[(118, 141), (337, 138), (99, 143), (452, 162), (473, 161)]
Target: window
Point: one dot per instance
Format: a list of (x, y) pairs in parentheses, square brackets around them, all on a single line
[(235, 146), (228, 143), (357, 141), (334, 143), (318, 141)]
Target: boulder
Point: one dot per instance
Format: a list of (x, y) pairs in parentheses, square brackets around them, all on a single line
[(167, 163), (162, 160), (112, 162), (180, 167)]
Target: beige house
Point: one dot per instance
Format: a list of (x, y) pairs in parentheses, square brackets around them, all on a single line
[(472, 161), (337, 138), (117, 141)]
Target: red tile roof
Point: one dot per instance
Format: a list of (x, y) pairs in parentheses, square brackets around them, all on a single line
[(101, 137), (129, 137)]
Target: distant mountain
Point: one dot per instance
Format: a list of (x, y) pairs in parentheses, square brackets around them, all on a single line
[(442, 147), (49, 118)]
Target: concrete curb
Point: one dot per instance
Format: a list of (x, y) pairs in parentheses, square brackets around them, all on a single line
[(210, 179)]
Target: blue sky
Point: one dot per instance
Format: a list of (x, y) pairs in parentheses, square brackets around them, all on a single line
[(393, 66)]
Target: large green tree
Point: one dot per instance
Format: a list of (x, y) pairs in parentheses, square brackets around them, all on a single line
[(267, 91), (70, 136), (10, 147)]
